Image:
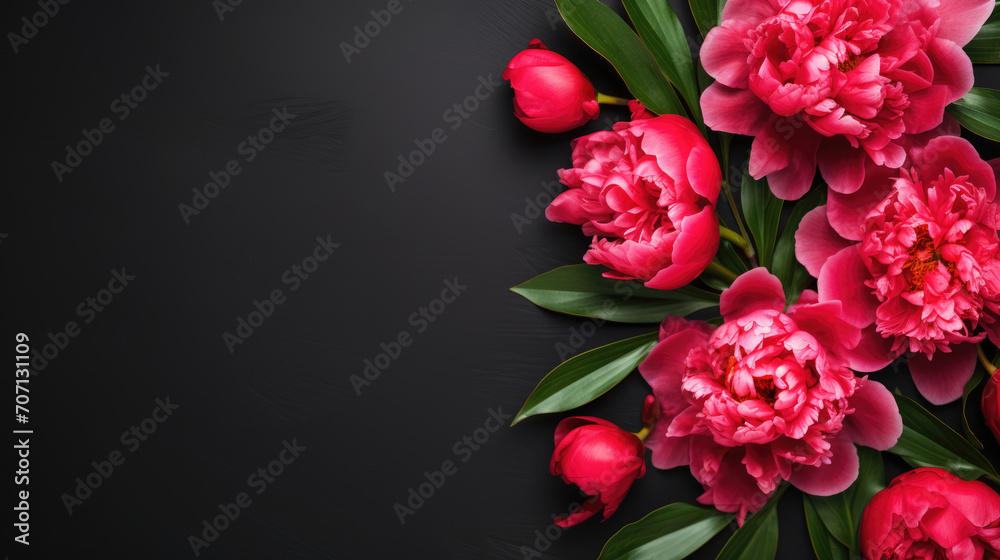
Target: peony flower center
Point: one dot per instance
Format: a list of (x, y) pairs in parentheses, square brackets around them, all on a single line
[(852, 62), (763, 386), (924, 257)]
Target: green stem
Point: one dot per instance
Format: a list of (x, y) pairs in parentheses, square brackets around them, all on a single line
[(748, 248), (719, 271), (734, 238), (610, 99), (990, 368), (641, 434)]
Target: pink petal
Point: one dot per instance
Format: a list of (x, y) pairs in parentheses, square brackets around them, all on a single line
[(693, 250), (734, 490), (738, 111), (942, 379), (843, 279), (961, 19), (875, 422), (873, 353), (958, 155), (753, 290), (664, 368), (703, 172), (833, 478), (582, 513), (842, 166), (724, 56), (816, 241), (846, 212), (785, 152), (567, 425)]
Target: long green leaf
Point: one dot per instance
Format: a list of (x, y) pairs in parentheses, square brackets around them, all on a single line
[(763, 214), (977, 378), (669, 533), (707, 13), (785, 266), (661, 31), (841, 513), (979, 111), (757, 539), (581, 289), (824, 544), (584, 377), (928, 442), (612, 38), (984, 48)]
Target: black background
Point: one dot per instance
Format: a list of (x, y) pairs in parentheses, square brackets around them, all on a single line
[(290, 381)]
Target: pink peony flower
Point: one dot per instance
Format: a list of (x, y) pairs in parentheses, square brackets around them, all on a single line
[(601, 459), (646, 192), (550, 93), (835, 82), (766, 397), (926, 274), (931, 513)]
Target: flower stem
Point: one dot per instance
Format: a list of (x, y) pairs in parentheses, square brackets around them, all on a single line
[(990, 368), (610, 99), (641, 434), (747, 248), (719, 271), (735, 238)]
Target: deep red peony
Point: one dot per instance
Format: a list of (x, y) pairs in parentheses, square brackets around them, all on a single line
[(837, 83), (646, 192), (550, 93), (766, 397), (931, 513)]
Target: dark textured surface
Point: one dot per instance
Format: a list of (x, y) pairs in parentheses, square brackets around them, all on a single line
[(322, 176)]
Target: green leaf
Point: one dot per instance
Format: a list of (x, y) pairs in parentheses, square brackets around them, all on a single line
[(669, 533), (977, 378), (763, 214), (661, 31), (581, 289), (731, 257), (928, 442), (824, 544), (612, 38), (785, 266), (584, 377), (984, 48), (841, 513), (757, 539), (979, 111), (707, 13)]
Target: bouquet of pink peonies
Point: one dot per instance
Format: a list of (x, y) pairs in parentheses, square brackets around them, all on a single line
[(866, 236)]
